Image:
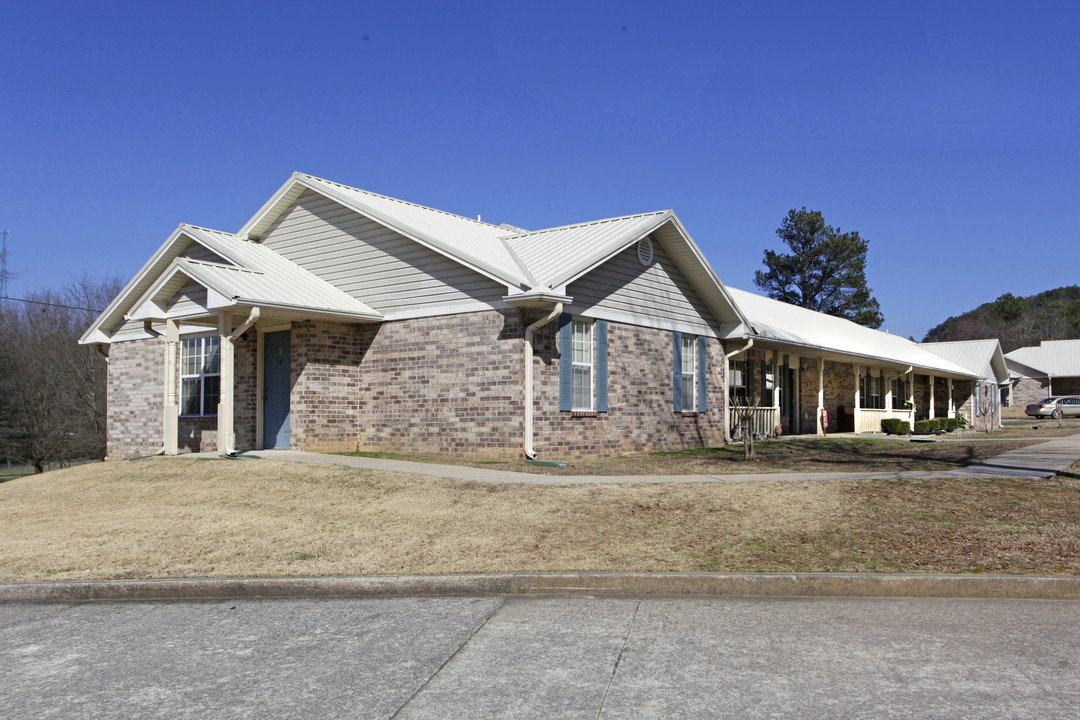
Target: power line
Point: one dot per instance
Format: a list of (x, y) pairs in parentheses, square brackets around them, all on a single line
[(49, 304)]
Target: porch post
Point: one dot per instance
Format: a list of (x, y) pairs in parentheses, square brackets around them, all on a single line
[(931, 397), (777, 386), (225, 401), (887, 380), (171, 420), (856, 412), (952, 405), (911, 397), (820, 393)]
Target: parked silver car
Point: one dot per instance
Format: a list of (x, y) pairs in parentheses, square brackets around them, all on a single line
[(1056, 407)]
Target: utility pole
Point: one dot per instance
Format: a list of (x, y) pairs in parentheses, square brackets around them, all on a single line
[(3, 265)]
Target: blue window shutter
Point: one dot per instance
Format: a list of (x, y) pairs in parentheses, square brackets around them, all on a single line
[(566, 362), (676, 372), (601, 366), (702, 371)]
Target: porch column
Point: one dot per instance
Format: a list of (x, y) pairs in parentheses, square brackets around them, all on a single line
[(911, 396), (820, 393), (777, 386), (225, 401), (171, 419), (885, 378), (856, 412), (952, 405), (931, 397)]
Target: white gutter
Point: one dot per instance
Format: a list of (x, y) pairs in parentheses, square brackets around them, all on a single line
[(727, 413), (530, 453)]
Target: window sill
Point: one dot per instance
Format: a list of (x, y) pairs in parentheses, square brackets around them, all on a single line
[(198, 417), (583, 413)]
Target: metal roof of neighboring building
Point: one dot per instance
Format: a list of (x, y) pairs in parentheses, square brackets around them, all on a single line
[(791, 325), (983, 357), (1056, 358)]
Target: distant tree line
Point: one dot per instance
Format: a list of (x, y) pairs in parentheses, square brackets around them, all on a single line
[(52, 390), (1016, 321)]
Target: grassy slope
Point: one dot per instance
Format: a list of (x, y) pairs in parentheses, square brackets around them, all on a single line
[(183, 517)]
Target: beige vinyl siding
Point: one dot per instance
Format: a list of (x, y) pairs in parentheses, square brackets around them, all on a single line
[(195, 251), (373, 263), (190, 300), (656, 296)]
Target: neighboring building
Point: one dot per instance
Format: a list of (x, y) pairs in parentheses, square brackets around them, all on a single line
[(1050, 368), (985, 359), (338, 319)]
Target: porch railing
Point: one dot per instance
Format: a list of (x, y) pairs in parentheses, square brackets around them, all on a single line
[(870, 420), (763, 422)]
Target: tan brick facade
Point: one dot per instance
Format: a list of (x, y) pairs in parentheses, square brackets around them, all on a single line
[(641, 414), (136, 401)]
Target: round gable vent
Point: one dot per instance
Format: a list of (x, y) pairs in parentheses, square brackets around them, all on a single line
[(645, 252)]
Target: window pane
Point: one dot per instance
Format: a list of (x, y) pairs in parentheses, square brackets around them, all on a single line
[(689, 397), (213, 355), (582, 341), (189, 357), (211, 393), (582, 397), (688, 355), (189, 397)]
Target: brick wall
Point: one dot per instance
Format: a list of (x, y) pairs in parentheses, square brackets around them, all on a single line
[(640, 415), (449, 386), (135, 398), (136, 401), (324, 373)]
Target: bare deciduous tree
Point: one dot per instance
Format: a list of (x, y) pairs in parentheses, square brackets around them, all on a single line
[(52, 390)]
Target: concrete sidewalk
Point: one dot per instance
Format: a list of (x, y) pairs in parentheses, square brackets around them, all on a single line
[(1036, 461)]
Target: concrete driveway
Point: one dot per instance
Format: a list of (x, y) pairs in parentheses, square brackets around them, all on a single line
[(543, 657)]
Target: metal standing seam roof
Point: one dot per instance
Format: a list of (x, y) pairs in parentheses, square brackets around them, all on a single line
[(555, 255), (1056, 358), (785, 323), (265, 278), (983, 357)]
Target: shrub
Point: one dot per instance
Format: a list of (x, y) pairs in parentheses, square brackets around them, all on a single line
[(895, 426), (923, 426), (951, 424), (961, 421)]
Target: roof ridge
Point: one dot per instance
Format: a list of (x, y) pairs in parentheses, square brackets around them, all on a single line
[(583, 224), (210, 230), (403, 202), (222, 266)]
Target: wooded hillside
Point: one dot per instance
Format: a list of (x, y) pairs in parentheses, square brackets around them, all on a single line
[(1017, 322)]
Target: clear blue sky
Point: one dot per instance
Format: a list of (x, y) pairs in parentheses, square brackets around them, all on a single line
[(946, 133)]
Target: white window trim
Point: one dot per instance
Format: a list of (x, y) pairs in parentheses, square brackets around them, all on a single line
[(591, 325), (691, 404), (200, 376)]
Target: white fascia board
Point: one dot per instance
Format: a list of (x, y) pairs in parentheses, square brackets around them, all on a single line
[(843, 356), (285, 196), (305, 311), (604, 254), (121, 300), (700, 257), (536, 299), (282, 196)]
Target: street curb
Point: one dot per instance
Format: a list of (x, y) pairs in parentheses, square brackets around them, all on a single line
[(584, 583)]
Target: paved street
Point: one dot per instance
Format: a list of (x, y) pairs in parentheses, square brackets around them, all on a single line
[(543, 657)]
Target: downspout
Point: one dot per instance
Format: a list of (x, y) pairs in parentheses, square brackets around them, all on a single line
[(727, 410), (252, 318), (530, 453)]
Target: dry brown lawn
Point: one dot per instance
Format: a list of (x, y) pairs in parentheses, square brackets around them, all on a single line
[(803, 454), (184, 517)]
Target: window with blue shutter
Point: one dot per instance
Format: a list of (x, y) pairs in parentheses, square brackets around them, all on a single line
[(601, 366), (566, 367)]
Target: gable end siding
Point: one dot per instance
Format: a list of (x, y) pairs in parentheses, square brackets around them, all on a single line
[(373, 263), (657, 296)]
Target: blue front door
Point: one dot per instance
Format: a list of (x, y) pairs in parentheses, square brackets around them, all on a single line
[(276, 381)]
